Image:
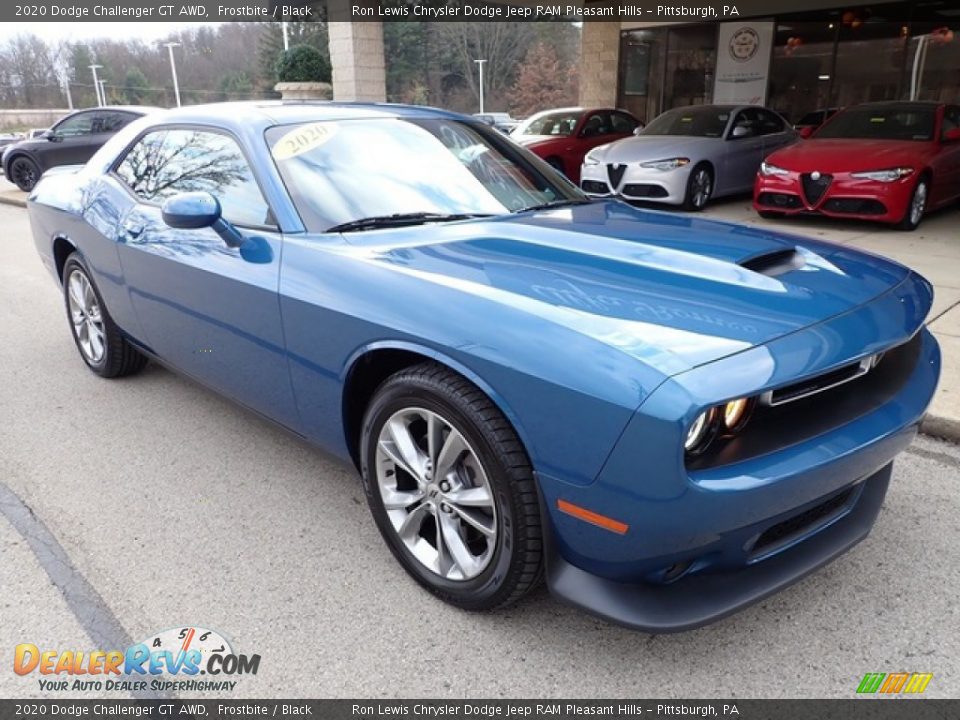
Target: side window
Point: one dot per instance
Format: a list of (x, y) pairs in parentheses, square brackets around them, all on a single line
[(770, 123), (75, 125), (622, 124), (108, 122), (951, 120), (167, 162), (596, 124)]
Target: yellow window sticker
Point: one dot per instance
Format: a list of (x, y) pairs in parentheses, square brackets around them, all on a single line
[(301, 139)]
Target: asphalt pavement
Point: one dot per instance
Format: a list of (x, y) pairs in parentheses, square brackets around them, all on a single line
[(153, 503)]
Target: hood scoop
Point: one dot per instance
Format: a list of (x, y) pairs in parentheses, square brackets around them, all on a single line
[(773, 264)]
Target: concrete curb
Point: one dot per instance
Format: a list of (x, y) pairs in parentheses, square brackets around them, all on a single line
[(11, 199), (941, 427)]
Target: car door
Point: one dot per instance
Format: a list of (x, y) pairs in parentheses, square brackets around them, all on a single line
[(946, 170), (775, 131), (211, 310), (68, 140), (743, 152)]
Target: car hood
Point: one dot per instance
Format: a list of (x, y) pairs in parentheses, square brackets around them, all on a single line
[(674, 291), (644, 148), (833, 155)]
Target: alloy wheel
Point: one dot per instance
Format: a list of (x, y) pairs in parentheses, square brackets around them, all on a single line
[(918, 203), (23, 173), (701, 187), (436, 494), (86, 316)]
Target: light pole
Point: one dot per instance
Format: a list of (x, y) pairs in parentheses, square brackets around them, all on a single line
[(173, 69), (103, 91), (480, 67), (286, 38), (96, 84)]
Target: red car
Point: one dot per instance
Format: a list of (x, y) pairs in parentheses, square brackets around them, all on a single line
[(888, 162), (562, 137)]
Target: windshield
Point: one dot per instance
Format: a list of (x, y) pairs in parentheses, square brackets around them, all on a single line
[(696, 122), (343, 171), (886, 123), (555, 123)]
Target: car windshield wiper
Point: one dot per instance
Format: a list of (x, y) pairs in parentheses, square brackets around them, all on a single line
[(554, 204), (401, 219)]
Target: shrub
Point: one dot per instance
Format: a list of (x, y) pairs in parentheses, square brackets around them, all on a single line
[(303, 63)]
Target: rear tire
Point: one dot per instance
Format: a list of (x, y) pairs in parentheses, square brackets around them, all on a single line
[(460, 512), (24, 173), (699, 188), (101, 344), (916, 207)]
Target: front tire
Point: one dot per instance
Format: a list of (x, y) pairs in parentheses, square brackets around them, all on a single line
[(699, 188), (24, 173), (451, 489), (101, 344), (916, 207)]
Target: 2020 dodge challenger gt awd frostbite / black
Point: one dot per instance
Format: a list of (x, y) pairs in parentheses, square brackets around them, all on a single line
[(667, 417)]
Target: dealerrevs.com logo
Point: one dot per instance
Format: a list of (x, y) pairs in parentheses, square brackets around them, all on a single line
[(894, 683), (169, 661)]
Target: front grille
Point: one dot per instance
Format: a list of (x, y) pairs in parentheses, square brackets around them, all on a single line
[(813, 190), (855, 206), (594, 187), (773, 427), (779, 200), (615, 173), (642, 190), (783, 533)]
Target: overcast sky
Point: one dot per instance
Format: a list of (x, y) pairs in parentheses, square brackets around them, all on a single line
[(56, 31)]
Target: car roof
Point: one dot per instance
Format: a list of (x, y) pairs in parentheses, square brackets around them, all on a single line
[(265, 114), (905, 104), (138, 109)]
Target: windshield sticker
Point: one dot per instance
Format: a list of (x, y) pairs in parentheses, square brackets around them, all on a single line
[(723, 117), (878, 119), (686, 118), (302, 139)]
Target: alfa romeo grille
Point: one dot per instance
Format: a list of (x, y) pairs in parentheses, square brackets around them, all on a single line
[(813, 190)]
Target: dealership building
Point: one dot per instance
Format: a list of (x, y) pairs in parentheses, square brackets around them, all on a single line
[(792, 55)]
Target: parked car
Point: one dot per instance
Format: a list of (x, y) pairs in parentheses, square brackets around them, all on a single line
[(890, 162), (500, 120), (687, 156), (812, 120), (667, 417), (72, 140), (562, 137)]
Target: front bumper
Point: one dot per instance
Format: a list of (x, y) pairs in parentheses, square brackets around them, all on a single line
[(844, 197), (703, 542), (636, 183)]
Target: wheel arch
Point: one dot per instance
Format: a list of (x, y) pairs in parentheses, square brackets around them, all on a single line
[(371, 364), (63, 247)]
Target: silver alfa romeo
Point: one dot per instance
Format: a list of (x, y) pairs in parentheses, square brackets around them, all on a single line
[(688, 155)]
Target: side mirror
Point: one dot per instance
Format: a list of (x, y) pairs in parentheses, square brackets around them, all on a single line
[(638, 130), (51, 136), (741, 131), (952, 135), (806, 132), (195, 210)]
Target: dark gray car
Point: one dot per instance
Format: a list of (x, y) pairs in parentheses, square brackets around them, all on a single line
[(73, 140)]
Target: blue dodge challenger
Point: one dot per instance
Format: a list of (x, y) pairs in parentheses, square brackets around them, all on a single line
[(666, 417)]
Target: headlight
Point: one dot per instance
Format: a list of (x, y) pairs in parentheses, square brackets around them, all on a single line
[(701, 432), (736, 413), (668, 164), (886, 176), (768, 169), (590, 159)]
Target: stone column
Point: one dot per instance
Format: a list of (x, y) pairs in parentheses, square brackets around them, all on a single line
[(356, 54), (599, 58)]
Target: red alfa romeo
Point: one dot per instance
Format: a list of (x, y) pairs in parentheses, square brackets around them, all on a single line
[(562, 137), (888, 162)]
